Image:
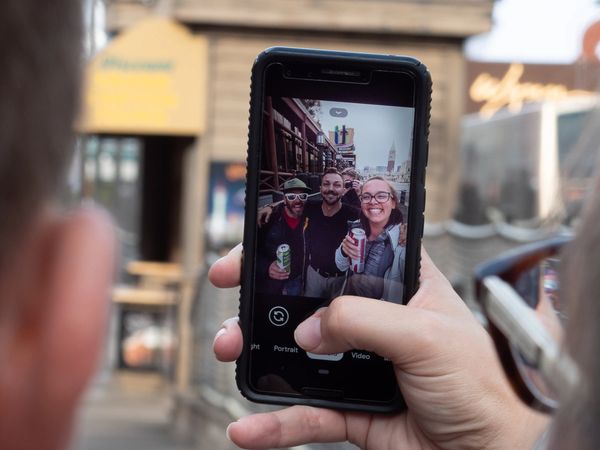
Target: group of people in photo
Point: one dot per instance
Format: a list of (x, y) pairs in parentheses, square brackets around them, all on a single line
[(350, 239)]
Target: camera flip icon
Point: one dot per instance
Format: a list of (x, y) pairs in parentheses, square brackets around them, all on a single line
[(278, 316)]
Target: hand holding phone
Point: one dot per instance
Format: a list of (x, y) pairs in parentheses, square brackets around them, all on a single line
[(320, 121), (471, 395)]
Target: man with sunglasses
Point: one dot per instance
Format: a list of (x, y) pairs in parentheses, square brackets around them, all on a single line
[(287, 226)]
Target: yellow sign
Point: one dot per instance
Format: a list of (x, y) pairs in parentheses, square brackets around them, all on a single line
[(509, 91), (151, 79)]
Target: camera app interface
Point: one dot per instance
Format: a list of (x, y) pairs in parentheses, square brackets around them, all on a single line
[(333, 209)]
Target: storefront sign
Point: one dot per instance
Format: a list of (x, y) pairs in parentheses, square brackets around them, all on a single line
[(151, 79), (226, 201), (496, 86)]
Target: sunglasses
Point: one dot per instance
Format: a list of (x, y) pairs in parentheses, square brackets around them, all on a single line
[(292, 197), (519, 293)]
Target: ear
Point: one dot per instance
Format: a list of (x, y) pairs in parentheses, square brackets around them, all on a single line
[(59, 324)]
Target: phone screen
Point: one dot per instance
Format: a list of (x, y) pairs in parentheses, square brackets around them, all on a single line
[(336, 161)]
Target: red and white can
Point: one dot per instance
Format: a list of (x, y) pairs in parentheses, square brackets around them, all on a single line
[(360, 239)]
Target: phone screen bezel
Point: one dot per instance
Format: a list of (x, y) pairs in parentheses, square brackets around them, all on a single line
[(382, 85)]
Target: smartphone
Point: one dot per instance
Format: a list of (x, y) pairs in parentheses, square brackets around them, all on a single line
[(317, 119)]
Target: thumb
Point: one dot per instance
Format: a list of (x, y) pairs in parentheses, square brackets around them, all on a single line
[(388, 329), (398, 332)]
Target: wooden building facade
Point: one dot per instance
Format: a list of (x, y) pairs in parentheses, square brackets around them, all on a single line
[(238, 30)]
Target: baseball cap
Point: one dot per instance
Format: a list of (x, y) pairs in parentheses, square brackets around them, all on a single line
[(294, 183)]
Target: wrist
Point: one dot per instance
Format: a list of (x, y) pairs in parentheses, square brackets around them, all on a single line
[(522, 429)]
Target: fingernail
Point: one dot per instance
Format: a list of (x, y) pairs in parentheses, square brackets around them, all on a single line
[(220, 333), (235, 249), (225, 326), (308, 333), (227, 432), (231, 321)]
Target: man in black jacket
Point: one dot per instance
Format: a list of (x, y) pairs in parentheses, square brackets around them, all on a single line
[(287, 226)]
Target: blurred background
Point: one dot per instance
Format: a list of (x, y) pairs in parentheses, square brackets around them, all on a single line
[(162, 146)]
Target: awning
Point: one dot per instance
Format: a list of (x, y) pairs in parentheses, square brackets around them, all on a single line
[(151, 79)]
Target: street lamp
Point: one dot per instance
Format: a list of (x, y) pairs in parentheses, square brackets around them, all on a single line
[(320, 139), (324, 151)]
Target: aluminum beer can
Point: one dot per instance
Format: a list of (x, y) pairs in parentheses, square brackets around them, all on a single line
[(360, 238), (284, 257)]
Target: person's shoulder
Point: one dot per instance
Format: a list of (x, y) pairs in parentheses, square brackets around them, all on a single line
[(393, 232), (278, 210), (350, 211), (394, 229), (311, 206)]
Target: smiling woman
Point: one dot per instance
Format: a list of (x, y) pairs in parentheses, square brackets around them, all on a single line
[(373, 251)]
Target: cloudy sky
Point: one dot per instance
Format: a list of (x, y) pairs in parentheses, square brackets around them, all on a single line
[(376, 127), (535, 31)]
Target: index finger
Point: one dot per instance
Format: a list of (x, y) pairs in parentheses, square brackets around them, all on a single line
[(288, 427), (226, 271)]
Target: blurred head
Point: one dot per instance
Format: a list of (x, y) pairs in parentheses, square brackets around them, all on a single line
[(54, 269), (379, 203), (350, 175), (332, 186), (36, 112)]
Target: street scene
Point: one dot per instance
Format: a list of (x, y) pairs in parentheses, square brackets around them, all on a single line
[(124, 157), (356, 141), (485, 191), (366, 149)]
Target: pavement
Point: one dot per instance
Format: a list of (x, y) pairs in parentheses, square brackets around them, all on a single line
[(128, 411)]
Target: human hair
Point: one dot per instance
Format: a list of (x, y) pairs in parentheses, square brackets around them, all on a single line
[(331, 170), (40, 54), (395, 215), (351, 173), (576, 424)]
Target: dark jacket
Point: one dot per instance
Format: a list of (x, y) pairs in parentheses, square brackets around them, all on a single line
[(351, 198), (270, 237)]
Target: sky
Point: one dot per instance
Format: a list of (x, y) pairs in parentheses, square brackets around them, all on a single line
[(376, 127), (535, 31)]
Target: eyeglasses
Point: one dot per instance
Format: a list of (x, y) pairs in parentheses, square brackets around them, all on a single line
[(519, 295), (291, 197), (380, 197)]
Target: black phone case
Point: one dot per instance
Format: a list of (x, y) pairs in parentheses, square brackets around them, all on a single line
[(423, 87)]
